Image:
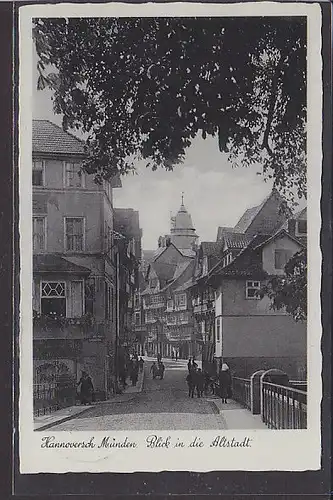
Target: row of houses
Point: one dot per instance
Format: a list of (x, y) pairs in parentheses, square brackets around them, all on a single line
[(86, 256), (202, 299)]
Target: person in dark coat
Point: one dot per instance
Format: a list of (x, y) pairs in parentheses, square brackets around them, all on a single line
[(191, 384), (161, 369), (141, 362), (86, 388), (134, 372), (225, 382), (154, 369), (199, 382), (194, 364), (189, 365)]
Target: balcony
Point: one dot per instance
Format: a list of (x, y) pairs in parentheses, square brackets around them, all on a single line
[(47, 327)]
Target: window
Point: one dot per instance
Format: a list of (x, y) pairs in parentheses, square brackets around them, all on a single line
[(73, 175), (39, 234), (150, 317), (282, 257), (218, 329), (170, 305), (74, 234), (180, 301), (156, 299), (37, 173), (53, 298), (252, 288), (301, 228), (137, 300), (137, 318), (171, 320)]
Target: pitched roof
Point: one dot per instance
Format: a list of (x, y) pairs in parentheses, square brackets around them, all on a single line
[(50, 263), (281, 232), (235, 240), (164, 270), (246, 263), (47, 137), (186, 252), (247, 218), (222, 229)]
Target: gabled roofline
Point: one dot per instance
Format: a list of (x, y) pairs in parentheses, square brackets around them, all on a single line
[(171, 244), (276, 235)]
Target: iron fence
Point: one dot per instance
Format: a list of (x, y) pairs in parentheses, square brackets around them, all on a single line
[(241, 391), (283, 407), (50, 397)]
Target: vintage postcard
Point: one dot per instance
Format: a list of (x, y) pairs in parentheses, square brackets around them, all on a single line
[(169, 167)]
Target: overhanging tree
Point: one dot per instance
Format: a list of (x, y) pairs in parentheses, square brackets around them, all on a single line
[(143, 88), (289, 292)]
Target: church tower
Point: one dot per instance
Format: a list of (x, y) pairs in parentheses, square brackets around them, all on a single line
[(183, 234)]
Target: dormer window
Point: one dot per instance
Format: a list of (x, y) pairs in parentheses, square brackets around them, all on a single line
[(301, 228), (227, 260)]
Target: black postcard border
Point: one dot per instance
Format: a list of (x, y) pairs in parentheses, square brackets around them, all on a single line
[(234, 484)]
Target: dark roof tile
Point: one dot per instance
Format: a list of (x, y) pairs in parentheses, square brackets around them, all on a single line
[(49, 138)]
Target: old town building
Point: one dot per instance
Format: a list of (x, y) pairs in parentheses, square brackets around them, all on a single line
[(74, 263), (167, 305), (249, 334)]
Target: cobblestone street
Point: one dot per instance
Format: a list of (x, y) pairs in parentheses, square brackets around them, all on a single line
[(162, 405)]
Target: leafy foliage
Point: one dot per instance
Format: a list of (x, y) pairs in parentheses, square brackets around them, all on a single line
[(143, 88), (290, 291)]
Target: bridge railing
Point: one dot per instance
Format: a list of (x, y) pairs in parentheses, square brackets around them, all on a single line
[(283, 407), (241, 391)]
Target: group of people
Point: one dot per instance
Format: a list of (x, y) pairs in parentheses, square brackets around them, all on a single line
[(157, 368), (195, 379), (135, 366), (198, 381)]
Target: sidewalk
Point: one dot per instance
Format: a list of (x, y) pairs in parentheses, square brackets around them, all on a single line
[(236, 416), (43, 422)]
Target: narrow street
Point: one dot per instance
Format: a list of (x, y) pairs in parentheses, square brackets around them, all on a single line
[(162, 405)]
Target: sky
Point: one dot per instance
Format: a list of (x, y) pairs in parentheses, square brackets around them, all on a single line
[(215, 194)]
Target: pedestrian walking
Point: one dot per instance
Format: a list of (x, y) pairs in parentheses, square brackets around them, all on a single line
[(159, 358), (172, 355), (154, 369), (199, 382), (141, 362), (189, 365), (194, 364), (86, 388), (191, 384), (225, 383), (161, 369), (176, 355)]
